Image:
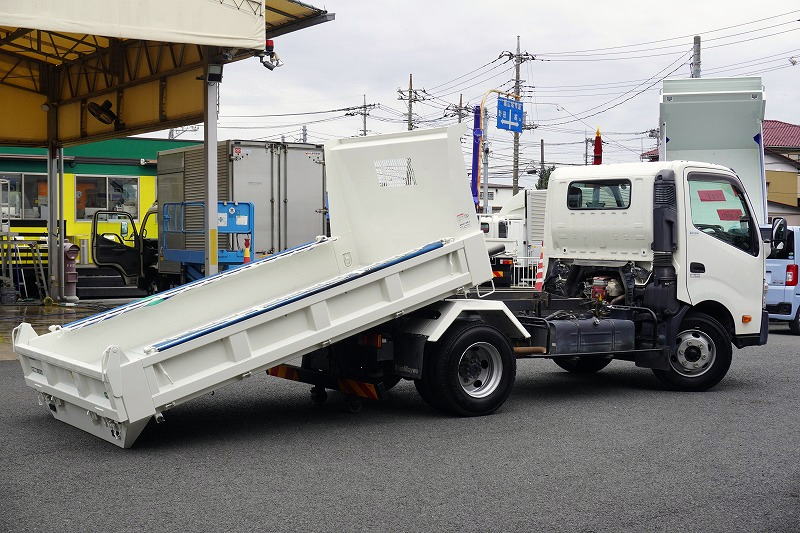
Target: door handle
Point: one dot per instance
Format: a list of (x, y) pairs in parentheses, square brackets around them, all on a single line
[(697, 268)]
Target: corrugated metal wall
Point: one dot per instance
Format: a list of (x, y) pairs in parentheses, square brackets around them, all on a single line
[(194, 190), (537, 206)]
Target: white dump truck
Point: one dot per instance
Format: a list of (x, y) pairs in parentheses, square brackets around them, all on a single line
[(641, 268)]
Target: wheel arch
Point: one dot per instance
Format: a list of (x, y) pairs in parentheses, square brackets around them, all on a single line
[(718, 312), (441, 317)]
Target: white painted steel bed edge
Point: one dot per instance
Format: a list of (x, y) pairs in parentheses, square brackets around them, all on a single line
[(408, 302), (157, 357), (22, 334), (118, 413)]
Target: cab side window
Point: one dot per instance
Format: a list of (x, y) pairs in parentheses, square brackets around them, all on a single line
[(595, 195), (719, 209)]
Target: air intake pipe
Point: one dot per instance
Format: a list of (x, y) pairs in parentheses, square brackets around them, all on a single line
[(661, 296)]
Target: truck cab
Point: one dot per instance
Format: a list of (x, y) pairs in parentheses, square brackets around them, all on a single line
[(673, 247), (131, 251), (505, 238), (783, 294)]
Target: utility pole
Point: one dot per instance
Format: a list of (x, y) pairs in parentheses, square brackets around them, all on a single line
[(305, 134), (696, 57), (364, 117), (518, 58), (515, 168), (363, 110), (585, 148), (410, 102), (412, 95), (459, 110), (541, 156)]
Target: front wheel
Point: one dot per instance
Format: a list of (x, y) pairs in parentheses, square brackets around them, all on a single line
[(702, 355), (469, 372)]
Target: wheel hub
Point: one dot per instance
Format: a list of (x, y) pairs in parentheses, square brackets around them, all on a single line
[(479, 369), (694, 354)]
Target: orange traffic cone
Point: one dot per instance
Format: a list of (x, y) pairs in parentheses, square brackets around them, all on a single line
[(246, 251)]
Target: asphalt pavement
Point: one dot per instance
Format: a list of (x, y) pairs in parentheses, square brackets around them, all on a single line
[(608, 452)]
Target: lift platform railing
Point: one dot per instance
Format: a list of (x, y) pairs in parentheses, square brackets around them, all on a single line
[(233, 218)]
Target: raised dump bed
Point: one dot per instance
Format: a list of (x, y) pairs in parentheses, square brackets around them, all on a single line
[(405, 235)]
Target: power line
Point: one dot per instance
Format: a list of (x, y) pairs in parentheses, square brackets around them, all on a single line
[(342, 109), (674, 38), (669, 53), (680, 45), (467, 74)]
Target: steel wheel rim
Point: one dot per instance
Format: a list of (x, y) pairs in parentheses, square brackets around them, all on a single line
[(480, 368), (695, 353)]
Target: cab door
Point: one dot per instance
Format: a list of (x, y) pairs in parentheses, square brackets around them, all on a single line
[(116, 244), (724, 257)]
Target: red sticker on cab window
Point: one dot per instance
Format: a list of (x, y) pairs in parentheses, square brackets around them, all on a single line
[(711, 196), (729, 214)]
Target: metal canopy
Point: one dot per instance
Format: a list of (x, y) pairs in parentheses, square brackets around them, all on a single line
[(58, 57), (75, 71)]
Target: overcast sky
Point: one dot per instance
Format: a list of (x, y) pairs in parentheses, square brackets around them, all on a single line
[(372, 46)]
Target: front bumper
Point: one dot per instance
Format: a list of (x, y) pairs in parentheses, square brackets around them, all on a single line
[(754, 339)]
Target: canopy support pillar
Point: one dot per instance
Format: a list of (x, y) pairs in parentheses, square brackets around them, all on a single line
[(54, 215), (210, 113)]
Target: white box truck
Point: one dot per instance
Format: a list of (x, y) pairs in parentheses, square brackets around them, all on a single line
[(639, 269)]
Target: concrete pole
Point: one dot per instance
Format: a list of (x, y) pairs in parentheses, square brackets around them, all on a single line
[(541, 156), (460, 107), (410, 102), (364, 117), (515, 168), (305, 134), (696, 57), (585, 148), (210, 153)]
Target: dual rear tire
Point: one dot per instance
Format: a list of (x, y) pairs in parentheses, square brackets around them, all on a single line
[(470, 371)]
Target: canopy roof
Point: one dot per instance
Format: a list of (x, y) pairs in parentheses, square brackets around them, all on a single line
[(140, 58)]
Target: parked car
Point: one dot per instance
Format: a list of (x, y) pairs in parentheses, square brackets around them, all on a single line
[(783, 295)]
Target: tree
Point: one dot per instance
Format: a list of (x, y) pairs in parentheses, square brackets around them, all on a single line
[(544, 177)]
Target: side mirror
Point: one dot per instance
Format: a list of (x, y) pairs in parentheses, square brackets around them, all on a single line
[(779, 233)]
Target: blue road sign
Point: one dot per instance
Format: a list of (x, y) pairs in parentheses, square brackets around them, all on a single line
[(509, 114)]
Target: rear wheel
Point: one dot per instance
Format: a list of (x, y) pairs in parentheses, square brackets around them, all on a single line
[(469, 372), (702, 355), (794, 324), (582, 365)]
